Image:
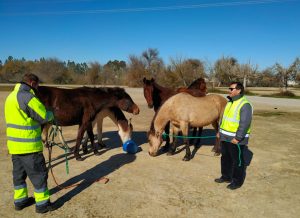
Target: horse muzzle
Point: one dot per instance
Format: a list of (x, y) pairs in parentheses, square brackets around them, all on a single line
[(152, 154), (136, 110), (150, 106)]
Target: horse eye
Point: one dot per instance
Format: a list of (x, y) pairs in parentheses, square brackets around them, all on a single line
[(126, 104)]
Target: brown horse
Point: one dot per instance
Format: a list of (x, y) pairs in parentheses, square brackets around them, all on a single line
[(119, 119), (197, 88), (184, 111), (80, 106), (156, 95)]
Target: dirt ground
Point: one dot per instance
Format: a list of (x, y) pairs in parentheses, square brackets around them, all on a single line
[(166, 186)]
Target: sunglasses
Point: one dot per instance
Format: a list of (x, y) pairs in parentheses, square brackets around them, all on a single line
[(231, 89)]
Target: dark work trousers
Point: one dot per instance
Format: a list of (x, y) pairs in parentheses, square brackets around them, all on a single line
[(32, 165), (232, 162)]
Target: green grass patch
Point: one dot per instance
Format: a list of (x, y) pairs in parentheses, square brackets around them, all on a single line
[(283, 94), (6, 88), (269, 113)]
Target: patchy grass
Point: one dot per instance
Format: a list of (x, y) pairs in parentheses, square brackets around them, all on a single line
[(269, 113), (281, 116), (283, 94), (6, 88)]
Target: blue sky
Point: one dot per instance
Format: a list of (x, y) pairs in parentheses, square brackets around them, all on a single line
[(259, 32)]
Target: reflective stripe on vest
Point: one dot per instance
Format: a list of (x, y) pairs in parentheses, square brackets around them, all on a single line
[(231, 117)]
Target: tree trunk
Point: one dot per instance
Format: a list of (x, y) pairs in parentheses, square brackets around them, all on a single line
[(245, 82)]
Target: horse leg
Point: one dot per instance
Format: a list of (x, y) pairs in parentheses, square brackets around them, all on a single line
[(194, 140), (45, 129), (167, 131), (91, 136), (85, 140), (81, 130), (217, 146), (173, 140), (184, 126), (199, 132), (99, 121)]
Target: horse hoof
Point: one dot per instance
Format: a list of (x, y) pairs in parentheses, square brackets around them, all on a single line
[(217, 153), (79, 158), (186, 159), (85, 151), (170, 153), (97, 153), (101, 145), (197, 146), (165, 148)]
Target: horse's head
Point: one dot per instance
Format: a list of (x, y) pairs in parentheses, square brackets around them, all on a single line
[(155, 141), (125, 102), (125, 130), (148, 91)]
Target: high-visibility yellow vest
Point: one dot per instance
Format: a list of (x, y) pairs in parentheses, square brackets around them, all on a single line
[(231, 117), (23, 132)]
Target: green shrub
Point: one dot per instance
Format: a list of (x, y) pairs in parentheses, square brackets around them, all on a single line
[(285, 94)]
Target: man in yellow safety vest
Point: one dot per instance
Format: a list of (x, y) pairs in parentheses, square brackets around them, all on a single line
[(234, 135), (24, 115)]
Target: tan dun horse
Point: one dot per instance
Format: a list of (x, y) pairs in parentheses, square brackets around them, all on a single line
[(184, 111), (156, 95)]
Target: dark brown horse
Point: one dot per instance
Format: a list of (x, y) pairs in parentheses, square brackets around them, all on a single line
[(80, 106), (156, 95)]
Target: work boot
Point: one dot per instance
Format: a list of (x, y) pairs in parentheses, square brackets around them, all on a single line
[(28, 202), (233, 186), (45, 208), (222, 180)]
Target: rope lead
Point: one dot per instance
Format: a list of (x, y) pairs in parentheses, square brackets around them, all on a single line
[(203, 137), (55, 130)]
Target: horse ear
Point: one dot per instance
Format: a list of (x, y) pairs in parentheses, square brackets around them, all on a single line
[(152, 80)]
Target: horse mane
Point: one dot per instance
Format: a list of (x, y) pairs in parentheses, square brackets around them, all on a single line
[(104, 89), (195, 84), (193, 92), (156, 85), (115, 91)]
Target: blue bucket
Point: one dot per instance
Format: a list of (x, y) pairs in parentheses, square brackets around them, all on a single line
[(130, 147)]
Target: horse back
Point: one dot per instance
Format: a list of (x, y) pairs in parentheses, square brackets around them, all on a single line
[(197, 111)]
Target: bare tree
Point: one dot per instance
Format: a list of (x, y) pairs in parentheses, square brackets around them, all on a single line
[(136, 71), (93, 73), (285, 75), (246, 72), (153, 63), (226, 70), (186, 70)]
